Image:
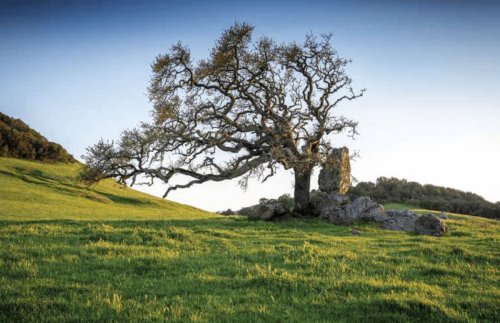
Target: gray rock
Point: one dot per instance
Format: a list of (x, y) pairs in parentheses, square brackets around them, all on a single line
[(430, 224), (355, 232), (337, 209), (320, 201), (443, 216), (427, 224), (400, 220), (265, 210), (335, 176), (249, 210), (361, 208)]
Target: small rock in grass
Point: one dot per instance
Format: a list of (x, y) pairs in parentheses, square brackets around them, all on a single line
[(356, 232), (265, 210), (443, 216)]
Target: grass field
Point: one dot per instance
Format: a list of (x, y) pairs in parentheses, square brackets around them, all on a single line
[(73, 253)]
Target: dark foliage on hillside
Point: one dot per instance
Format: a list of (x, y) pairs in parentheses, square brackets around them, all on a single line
[(394, 190), (18, 140)]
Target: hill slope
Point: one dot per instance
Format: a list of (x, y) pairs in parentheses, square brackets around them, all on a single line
[(73, 253), (32, 190)]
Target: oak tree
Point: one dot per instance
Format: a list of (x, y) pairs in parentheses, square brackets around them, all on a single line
[(249, 108)]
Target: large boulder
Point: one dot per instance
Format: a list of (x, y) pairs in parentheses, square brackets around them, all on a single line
[(265, 210), (319, 202), (431, 225), (362, 208), (427, 224), (400, 220), (335, 176)]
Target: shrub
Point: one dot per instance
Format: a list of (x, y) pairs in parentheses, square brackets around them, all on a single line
[(394, 190), (18, 140)]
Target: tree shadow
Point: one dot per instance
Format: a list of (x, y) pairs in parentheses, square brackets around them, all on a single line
[(71, 187)]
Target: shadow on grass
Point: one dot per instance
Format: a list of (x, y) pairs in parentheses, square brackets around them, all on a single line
[(70, 187), (124, 200)]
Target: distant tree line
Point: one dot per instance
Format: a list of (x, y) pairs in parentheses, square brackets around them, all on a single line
[(18, 140), (394, 190)]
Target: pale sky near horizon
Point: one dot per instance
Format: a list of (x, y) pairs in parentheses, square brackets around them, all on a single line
[(77, 71)]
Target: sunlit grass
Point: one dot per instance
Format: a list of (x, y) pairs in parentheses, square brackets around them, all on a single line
[(41, 191), (155, 260)]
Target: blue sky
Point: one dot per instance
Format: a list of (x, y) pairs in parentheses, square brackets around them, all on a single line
[(78, 71)]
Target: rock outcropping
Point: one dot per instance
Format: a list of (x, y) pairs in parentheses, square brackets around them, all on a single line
[(431, 225), (361, 208), (400, 220), (335, 176), (337, 209), (266, 210), (320, 201), (443, 216), (330, 203)]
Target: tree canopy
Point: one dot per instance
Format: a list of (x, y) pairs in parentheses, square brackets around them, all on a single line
[(247, 109), (394, 190), (18, 140)]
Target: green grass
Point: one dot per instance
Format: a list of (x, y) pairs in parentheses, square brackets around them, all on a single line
[(418, 210), (41, 191), (73, 253), (398, 206)]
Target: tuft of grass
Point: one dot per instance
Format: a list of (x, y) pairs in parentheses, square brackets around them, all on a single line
[(73, 253)]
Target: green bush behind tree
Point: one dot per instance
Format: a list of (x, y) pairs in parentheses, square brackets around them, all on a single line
[(18, 140), (394, 190)]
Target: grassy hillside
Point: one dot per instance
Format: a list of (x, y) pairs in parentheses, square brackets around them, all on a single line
[(43, 191), (72, 253)]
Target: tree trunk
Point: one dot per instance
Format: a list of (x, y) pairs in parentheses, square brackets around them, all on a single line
[(301, 193)]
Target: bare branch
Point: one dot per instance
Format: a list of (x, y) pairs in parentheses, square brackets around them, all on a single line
[(247, 109)]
